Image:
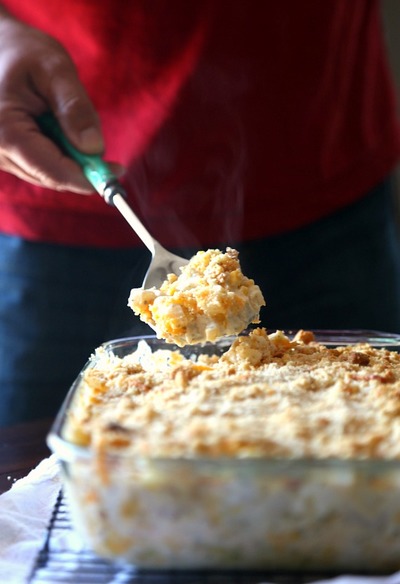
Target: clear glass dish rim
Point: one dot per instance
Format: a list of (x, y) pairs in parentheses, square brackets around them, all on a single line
[(67, 451)]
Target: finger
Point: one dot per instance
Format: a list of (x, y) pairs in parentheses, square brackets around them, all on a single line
[(68, 100), (37, 159), (11, 167)]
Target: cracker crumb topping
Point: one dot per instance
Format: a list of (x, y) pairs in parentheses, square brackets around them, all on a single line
[(266, 396)]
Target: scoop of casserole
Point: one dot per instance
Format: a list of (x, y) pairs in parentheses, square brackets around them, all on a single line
[(210, 299)]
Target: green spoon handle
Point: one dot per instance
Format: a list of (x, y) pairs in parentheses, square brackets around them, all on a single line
[(96, 170)]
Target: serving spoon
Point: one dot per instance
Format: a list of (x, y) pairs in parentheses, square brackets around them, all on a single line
[(104, 181)]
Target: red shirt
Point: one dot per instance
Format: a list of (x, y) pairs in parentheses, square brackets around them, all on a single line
[(236, 120)]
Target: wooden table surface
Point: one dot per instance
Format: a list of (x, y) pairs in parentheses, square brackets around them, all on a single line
[(22, 447)]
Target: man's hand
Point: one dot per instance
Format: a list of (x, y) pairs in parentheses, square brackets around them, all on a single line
[(37, 75)]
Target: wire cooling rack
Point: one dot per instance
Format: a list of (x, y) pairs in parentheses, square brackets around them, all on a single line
[(70, 563)]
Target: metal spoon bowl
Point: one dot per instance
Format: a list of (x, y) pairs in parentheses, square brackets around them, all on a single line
[(163, 262)]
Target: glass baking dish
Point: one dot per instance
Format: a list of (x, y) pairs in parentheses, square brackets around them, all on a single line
[(330, 515)]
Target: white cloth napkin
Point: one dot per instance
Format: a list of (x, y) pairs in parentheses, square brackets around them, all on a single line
[(25, 512)]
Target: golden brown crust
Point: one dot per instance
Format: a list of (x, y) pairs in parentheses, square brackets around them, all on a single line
[(267, 396)]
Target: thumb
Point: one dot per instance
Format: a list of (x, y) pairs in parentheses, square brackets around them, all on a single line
[(75, 112)]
